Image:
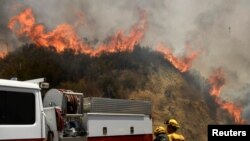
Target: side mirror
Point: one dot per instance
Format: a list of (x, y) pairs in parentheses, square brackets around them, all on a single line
[(44, 85)]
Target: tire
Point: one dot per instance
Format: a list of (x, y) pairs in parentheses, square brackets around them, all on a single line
[(50, 136)]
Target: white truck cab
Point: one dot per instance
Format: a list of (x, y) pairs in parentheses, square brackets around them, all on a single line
[(21, 111)]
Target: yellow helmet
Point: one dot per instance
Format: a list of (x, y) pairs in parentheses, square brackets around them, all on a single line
[(173, 123), (159, 130)]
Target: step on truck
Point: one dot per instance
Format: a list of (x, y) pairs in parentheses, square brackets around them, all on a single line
[(27, 113)]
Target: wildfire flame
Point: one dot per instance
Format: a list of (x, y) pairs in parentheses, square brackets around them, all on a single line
[(217, 80), (64, 35), (3, 50), (2, 54), (183, 64), (120, 42)]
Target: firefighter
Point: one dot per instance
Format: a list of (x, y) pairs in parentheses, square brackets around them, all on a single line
[(160, 133), (172, 127)]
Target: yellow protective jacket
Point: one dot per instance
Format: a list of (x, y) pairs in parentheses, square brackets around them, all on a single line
[(175, 137)]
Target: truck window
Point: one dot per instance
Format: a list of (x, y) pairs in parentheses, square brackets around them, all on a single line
[(17, 108)]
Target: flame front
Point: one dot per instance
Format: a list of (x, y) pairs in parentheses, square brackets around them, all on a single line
[(217, 80), (61, 38), (64, 35), (122, 43), (182, 65)]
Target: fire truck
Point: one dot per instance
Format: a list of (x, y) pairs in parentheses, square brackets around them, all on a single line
[(30, 113)]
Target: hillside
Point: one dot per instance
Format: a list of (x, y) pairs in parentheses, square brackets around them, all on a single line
[(141, 74)]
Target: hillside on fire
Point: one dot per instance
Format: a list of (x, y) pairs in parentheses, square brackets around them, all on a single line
[(142, 74)]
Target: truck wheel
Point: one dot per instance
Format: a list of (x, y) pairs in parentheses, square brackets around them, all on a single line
[(50, 136)]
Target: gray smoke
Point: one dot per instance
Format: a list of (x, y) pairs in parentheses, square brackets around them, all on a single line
[(219, 29)]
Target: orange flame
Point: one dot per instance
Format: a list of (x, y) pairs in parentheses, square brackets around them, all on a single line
[(182, 65), (2, 54), (26, 21), (120, 42), (3, 50), (217, 80), (64, 36)]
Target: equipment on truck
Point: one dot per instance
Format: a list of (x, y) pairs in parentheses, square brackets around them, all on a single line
[(65, 115)]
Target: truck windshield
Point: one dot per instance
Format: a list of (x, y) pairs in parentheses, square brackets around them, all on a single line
[(17, 108)]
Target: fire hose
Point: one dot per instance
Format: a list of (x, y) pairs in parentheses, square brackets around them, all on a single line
[(72, 104)]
